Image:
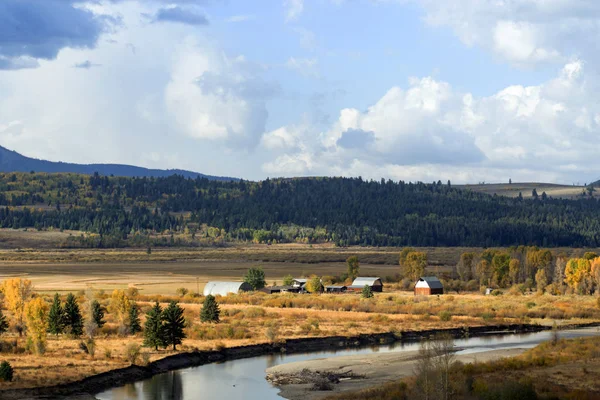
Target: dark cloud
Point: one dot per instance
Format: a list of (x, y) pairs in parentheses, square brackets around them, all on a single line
[(356, 139), (181, 15), (87, 64), (39, 29)]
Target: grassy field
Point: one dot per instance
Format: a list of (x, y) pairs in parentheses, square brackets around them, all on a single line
[(260, 318), (166, 277), (526, 189)]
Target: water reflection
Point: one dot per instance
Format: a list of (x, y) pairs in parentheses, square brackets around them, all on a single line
[(245, 379)]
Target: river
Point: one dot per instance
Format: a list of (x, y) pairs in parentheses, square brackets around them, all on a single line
[(245, 378)]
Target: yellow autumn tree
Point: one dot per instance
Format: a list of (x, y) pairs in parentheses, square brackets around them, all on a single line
[(595, 272), (119, 306), (16, 293), (578, 274), (36, 316)]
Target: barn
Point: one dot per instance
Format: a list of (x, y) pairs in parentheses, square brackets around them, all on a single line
[(224, 288), (359, 283), (429, 285), (280, 289), (335, 289)]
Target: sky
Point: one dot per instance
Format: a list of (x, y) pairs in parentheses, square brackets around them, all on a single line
[(415, 90)]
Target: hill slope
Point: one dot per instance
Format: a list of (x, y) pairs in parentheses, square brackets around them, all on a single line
[(11, 161)]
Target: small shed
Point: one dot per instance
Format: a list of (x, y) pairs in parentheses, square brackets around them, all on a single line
[(280, 289), (429, 285), (335, 289), (224, 288), (359, 283)]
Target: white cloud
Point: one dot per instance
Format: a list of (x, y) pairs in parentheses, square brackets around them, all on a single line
[(294, 9), (430, 131), (521, 31), (189, 99), (305, 66)]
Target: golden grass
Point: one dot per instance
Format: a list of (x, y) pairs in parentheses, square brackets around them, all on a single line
[(259, 318)]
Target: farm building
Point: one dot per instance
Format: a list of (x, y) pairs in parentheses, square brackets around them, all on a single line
[(224, 288), (299, 282), (280, 289), (335, 289), (359, 283), (429, 285)]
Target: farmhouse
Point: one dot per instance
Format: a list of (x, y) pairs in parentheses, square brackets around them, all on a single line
[(359, 283), (299, 282), (224, 288), (335, 289), (429, 285)]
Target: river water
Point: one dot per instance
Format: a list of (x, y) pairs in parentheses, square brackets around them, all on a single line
[(245, 378)]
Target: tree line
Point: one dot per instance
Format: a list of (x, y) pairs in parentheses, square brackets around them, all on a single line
[(345, 211)]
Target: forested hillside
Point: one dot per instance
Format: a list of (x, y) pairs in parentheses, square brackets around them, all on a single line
[(130, 211)]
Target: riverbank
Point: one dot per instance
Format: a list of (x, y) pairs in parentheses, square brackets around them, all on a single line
[(370, 370), (118, 377)]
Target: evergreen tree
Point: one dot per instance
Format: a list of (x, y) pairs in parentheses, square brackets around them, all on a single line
[(154, 333), (134, 324), (174, 322), (98, 313), (367, 293), (3, 323), (210, 310), (73, 319), (56, 317)]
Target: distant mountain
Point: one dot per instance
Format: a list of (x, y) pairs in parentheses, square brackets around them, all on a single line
[(11, 161)]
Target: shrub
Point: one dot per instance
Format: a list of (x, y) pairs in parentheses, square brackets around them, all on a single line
[(132, 352), (497, 292), (366, 293), (530, 304), (488, 315), (181, 291), (445, 316), (6, 371), (145, 358)]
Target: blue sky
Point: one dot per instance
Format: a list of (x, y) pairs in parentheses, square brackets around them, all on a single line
[(466, 90)]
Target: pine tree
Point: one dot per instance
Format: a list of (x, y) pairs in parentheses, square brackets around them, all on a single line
[(98, 313), (56, 317), (210, 310), (174, 322), (367, 293), (134, 319), (3, 323), (154, 333), (73, 318)]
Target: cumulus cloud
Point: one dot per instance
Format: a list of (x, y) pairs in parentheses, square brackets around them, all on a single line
[(521, 31), (218, 98), (430, 130), (179, 14)]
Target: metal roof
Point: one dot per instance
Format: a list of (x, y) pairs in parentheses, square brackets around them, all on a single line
[(334, 287), (432, 281), (300, 280), (224, 288), (362, 281)]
